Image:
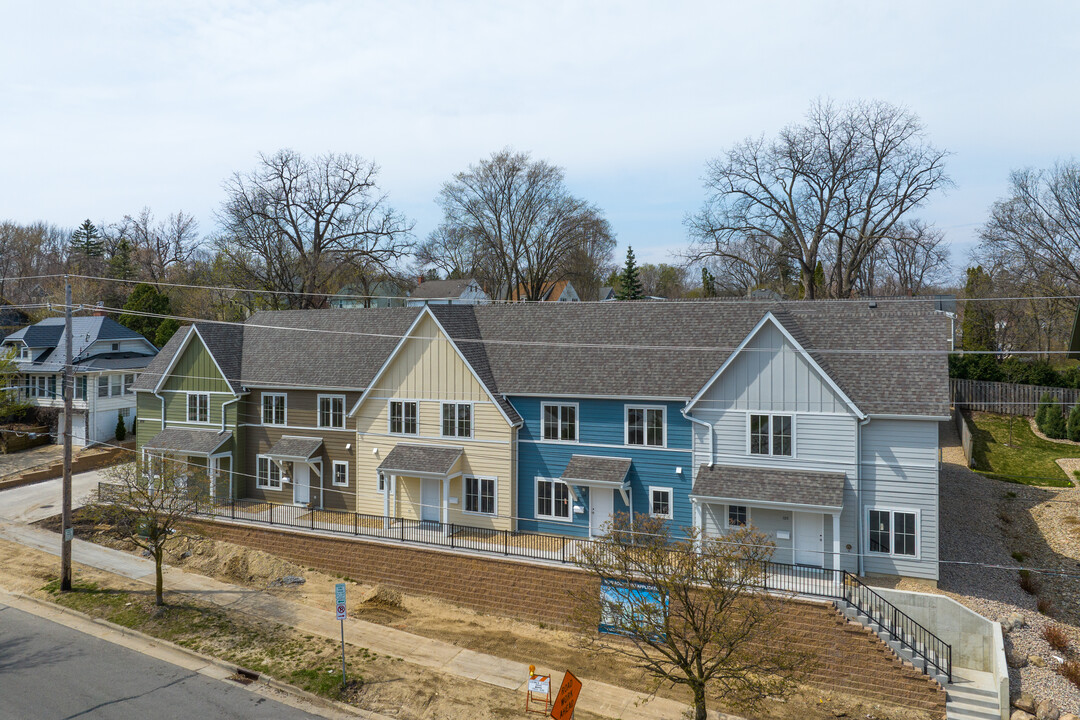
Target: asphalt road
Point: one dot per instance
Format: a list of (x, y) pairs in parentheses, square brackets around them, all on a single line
[(51, 672)]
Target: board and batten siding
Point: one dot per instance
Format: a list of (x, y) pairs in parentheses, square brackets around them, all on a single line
[(602, 431), (428, 369), (900, 472)]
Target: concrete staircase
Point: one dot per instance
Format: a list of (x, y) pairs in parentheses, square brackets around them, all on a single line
[(972, 696)]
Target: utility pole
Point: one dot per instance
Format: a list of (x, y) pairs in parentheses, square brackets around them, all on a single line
[(69, 390)]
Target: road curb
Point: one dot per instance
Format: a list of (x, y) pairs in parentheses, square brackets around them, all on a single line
[(231, 668)]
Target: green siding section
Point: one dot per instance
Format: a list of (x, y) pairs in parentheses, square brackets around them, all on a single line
[(196, 371), (176, 410)]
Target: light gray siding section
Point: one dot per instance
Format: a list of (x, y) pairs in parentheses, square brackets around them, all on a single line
[(900, 471), (770, 374)]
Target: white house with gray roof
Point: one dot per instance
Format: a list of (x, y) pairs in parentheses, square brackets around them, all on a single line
[(108, 358)]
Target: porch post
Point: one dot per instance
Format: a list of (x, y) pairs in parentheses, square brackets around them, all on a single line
[(836, 540), (446, 499)]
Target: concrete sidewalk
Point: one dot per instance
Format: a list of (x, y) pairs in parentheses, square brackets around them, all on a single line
[(596, 697)]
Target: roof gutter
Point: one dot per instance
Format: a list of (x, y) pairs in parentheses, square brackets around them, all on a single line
[(712, 435)]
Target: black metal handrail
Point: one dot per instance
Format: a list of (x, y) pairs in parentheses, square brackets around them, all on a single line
[(781, 577)]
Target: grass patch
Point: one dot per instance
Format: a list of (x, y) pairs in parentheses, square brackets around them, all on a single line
[(1030, 460)]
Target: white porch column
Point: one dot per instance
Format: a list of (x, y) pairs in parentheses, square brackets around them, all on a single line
[(446, 499), (836, 540)]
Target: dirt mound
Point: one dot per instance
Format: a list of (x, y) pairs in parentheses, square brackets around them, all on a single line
[(382, 596), (232, 561)]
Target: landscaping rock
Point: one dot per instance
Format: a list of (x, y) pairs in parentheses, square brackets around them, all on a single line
[(1036, 660), (1045, 709), (1015, 659), (288, 580), (1068, 716), (1025, 702), (1021, 715)]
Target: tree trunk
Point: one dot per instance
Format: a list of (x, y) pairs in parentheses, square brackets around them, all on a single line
[(700, 711), (159, 598)]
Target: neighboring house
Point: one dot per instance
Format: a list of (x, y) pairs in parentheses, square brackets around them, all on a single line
[(11, 319), (108, 358), (384, 294), (447, 292), (558, 291), (607, 294), (816, 422)]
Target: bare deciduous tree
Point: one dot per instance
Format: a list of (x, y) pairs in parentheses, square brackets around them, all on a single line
[(512, 220), (296, 225), (829, 189), (157, 248), (688, 612)]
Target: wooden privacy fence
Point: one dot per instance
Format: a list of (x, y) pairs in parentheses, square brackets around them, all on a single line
[(964, 430), (1006, 398)]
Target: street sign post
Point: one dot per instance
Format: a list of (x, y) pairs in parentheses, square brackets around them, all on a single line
[(339, 600)]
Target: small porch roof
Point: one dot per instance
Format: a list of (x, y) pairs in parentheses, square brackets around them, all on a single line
[(188, 441), (421, 460), (297, 449), (770, 486), (596, 471)]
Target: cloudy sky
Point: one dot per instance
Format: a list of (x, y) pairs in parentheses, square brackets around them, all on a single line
[(107, 107)]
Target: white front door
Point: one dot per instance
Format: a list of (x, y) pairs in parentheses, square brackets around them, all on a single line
[(429, 499), (301, 489), (809, 538), (601, 505)]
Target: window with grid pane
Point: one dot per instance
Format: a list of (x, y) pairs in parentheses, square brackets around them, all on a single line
[(552, 499), (560, 422), (879, 531), (273, 408), (403, 417), (759, 434), (198, 407), (269, 474), (332, 411), (480, 495), (645, 426), (736, 515), (904, 533), (457, 420)]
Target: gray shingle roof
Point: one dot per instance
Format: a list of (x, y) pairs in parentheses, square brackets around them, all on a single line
[(407, 458), (594, 468), (792, 487), (291, 448), (188, 440), (85, 331), (434, 289)]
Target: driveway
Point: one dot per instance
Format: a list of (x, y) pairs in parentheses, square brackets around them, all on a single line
[(31, 503)]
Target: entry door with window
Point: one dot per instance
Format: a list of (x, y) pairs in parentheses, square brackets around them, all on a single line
[(809, 537), (429, 499), (601, 506), (219, 477), (301, 479)]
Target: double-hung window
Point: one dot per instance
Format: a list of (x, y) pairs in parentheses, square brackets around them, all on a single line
[(103, 386), (403, 417), (198, 407), (737, 515), (273, 408), (269, 474), (480, 495), (332, 411), (560, 422), (52, 386), (129, 380), (770, 435), (660, 502), (645, 426), (80, 388), (117, 383), (552, 499), (457, 420), (893, 532), (341, 473)]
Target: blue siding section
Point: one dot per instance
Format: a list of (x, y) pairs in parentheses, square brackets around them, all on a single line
[(601, 431)]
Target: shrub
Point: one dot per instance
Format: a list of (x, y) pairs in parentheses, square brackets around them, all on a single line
[(1029, 583), (1070, 670), (1019, 556), (1057, 637), (121, 428), (1046, 404), (1046, 607), (1055, 423), (1073, 426)]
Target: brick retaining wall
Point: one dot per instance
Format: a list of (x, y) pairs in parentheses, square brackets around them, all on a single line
[(851, 659)]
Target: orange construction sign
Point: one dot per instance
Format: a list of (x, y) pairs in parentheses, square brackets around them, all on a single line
[(563, 708)]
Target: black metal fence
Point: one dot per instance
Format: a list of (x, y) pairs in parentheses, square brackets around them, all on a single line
[(781, 577)]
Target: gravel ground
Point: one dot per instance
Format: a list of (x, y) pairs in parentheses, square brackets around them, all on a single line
[(984, 521)]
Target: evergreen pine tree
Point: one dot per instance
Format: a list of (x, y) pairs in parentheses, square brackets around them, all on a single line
[(629, 282), (86, 241), (121, 429), (977, 330), (121, 266), (708, 283)]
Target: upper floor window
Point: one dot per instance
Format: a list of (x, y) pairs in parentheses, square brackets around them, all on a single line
[(115, 346), (457, 419), (198, 407), (103, 386), (560, 422), (770, 435), (24, 353), (332, 411), (403, 417), (129, 380), (80, 388), (117, 385), (273, 408), (737, 515), (645, 426), (893, 532)]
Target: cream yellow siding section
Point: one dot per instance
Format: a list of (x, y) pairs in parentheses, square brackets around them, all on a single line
[(428, 370)]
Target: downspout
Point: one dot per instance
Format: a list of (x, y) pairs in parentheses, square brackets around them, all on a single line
[(712, 438), (232, 458), (227, 402), (162, 399), (858, 493), (695, 507)]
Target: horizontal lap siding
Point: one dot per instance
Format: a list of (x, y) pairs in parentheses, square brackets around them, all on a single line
[(900, 471), (427, 369), (601, 431)]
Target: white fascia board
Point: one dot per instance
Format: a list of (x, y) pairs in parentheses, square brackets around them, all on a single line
[(175, 359)]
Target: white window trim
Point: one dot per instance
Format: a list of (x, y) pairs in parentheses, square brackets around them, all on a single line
[(383, 480), (892, 531), (389, 431), (536, 501), (187, 409), (671, 501), (727, 516), (771, 415), (333, 473), (258, 478), (472, 419), (626, 424), (318, 412), (262, 409), (480, 478), (577, 422)]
